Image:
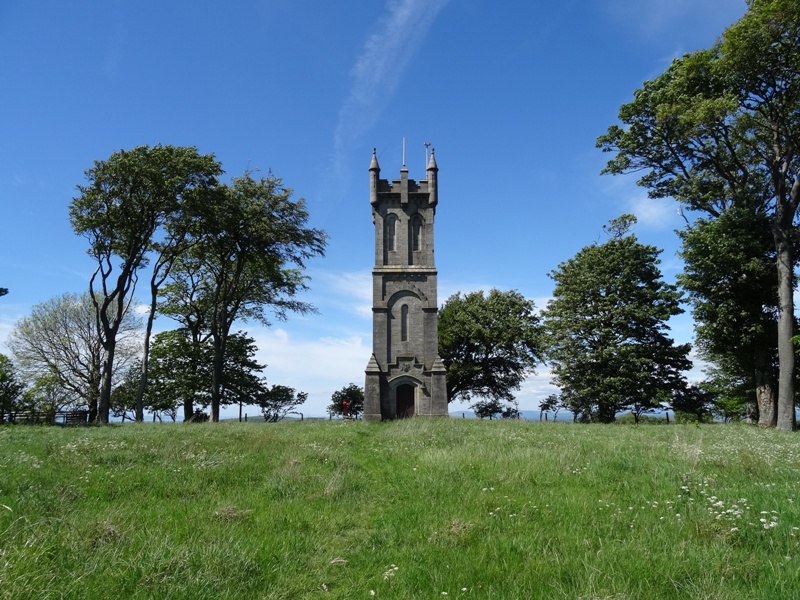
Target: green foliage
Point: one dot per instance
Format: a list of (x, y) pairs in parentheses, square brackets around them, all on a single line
[(734, 396), (123, 396), (59, 346), (607, 330), (551, 404), (407, 509), (250, 245), (489, 344), (47, 394), (279, 401), (732, 283), (131, 203), (10, 388), (488, 408), (718, 130), (354, 395), (181, 373), (694, 403)]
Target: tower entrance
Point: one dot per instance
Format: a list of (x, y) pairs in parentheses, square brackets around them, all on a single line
[(405, 401)]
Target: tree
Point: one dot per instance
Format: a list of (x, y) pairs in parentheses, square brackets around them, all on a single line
[(354, 395), (720, 128), (59, 343), (732, 285), (487, 408), (48, 395), (3, 291), (10, 388), (123, 396), (551, 403), (181, 373), (694, 403), (606, 329), (279, 401), (489, 344), (249, 249), (130, 200)]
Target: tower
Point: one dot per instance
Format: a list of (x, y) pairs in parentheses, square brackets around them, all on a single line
[(404, 376)]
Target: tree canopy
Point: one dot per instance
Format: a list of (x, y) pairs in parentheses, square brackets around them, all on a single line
[(10, 387), (489, 343), (60, 344), (354, 395), (732, 283), (278, 401), (720, 128), (607, 329), (250, 245), (128, 199)]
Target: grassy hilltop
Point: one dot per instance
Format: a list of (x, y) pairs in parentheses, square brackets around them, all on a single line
[(411, 509)]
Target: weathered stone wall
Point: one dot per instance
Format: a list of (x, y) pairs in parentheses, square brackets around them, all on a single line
[(405, 309)]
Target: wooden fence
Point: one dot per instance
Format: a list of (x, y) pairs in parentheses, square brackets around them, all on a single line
[(61, 417)]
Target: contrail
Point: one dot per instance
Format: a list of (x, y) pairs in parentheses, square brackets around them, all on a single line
[(379, 69)]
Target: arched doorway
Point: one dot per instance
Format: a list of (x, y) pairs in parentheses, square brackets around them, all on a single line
[(404, 395)]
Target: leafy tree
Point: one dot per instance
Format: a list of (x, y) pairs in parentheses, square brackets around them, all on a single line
[(487, 408), (130, 202), (123, 396), (48, 395), (511, 411), (3, 291), (178, 373), (732, 283), (249, 249), (167, 249), (354, 396), (279, 401), (694, 403), (489, 344), (59, 344), (606, 327), (181, 373), (721, 128), (551, 403), (10, 388)]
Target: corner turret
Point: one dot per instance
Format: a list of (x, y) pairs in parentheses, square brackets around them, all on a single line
[(374, 176), (433, 183)]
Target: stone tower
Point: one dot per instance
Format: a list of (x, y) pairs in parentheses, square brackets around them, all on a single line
[(405, 376)]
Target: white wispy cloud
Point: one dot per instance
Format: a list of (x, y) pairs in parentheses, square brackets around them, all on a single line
[(379, 69), (348, 291), (318, 366), (657, 213)]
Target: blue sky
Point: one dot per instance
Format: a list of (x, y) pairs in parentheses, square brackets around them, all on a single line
[(511, 94)]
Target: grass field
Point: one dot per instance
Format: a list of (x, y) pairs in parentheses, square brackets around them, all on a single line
[(452, 508)]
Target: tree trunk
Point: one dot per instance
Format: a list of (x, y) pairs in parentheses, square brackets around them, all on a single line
[(786, 354), (188, 409), (146, 352), (216, 377), (104, 404), (766, 396)]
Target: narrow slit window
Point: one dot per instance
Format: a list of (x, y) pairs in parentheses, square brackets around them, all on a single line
[(404, 323), (391, 226), (416, 234)]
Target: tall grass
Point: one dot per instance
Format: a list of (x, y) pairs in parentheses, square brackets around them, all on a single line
[(410, 509)]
